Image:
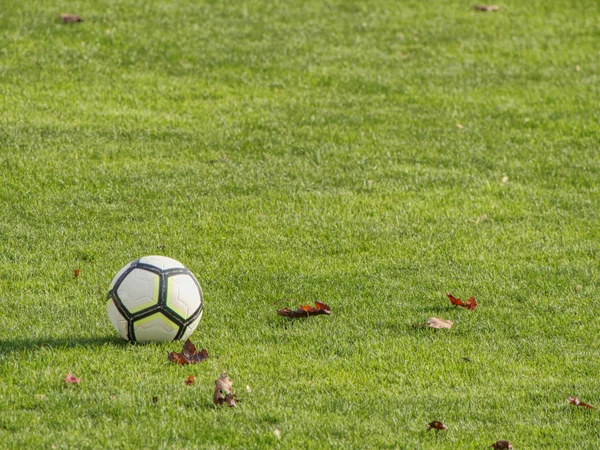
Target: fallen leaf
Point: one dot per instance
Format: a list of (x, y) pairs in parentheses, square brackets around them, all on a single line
[(470, 304), (76, 272), (487, 7), (577, 68), (189, 354), (305, 311), (70, 18), (459, 125), (248, 388), (190, 380), (277, 434), (436, 425), (223, 393), (575, 401), (155, 399), (71, 379), (500, 445), (504, 179), (434, 322), (482, 218)]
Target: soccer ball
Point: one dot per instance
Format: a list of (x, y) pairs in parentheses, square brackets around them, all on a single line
[(155, 299)]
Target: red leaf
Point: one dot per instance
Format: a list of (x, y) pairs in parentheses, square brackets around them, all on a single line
[(76, 272), (305, 311), (189, 355), (470, 304), (190, 380), (575, 401), (71, 379), (436, 425)]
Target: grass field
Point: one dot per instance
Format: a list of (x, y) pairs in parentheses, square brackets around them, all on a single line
[(352, 152)]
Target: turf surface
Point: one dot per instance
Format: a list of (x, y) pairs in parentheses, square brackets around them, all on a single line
[(352, 152)]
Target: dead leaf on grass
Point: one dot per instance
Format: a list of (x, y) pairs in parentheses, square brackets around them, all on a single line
[(223, 391), (189, 355), (487, 8), (501, 445), (434, 322), (305, 311), (70, 18), (469, 304), (436, 425), (277, 434), (70, 379), (459, 125), (575, 401), (504, 179), (76, 273), (190, 380)]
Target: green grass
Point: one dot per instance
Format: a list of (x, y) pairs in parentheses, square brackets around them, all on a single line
[(305, 150)]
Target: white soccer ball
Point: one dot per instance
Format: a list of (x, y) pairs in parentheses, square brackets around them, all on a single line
[(155, 299)]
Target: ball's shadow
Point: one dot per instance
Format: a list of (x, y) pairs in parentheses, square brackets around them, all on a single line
[(20, 345)]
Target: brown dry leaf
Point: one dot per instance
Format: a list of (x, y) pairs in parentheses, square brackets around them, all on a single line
[(575, 401), (434, 322), (486, 8), (70, 18), (223, 391), (189, 355), (501, 445), (190, 380), (305, 311), (436, 425), (469, 304), (76, 273), (70, 379)]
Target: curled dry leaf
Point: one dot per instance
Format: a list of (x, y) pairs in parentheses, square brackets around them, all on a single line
[(470, 304), (434, 322), (70, 18), (70, 378), (436, 425), (190, 380), (487, 8), (575, 401), (76, 273), (501, 445), (223, 391), (189, 354), (305, 311)]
